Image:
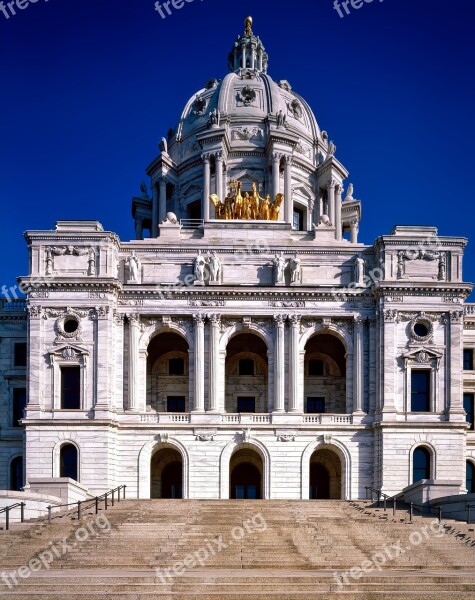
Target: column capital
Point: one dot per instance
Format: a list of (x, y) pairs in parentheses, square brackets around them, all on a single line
[(339, 189), (199, 319), (332, 183), (359, 321), (134, 319), (214, 319), (276, 156), (289, 159), (280, 320), (206, 156), (295, 320), (218, 155)]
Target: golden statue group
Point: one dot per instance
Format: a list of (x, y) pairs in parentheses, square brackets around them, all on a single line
[(246, 207)]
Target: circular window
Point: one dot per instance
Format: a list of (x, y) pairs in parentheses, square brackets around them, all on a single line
[(421, 330), (71, 325)]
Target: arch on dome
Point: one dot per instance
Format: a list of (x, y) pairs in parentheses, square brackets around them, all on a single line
[(340, 472), (145, 463), (225, 462), (164, 327), (251, 327)]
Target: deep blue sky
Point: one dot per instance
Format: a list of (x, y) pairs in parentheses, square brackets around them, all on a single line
[(88, 87)]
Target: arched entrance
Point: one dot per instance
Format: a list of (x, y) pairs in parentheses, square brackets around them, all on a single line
[(168, 373), (325, 476), (325, 375), (68, 462), (166, 474), (246, 374), (246, 471)]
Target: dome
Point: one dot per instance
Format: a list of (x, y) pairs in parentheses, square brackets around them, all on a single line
[(249, 141)]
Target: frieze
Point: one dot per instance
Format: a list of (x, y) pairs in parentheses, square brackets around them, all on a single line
[(207, 303)]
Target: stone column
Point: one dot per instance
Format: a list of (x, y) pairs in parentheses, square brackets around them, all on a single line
[(388, 362), (354, 229), (358, 365), (372, 365), (198, 374), (244, 56), (134, 334), (162, 212), (310, 217), (454, 366), (138, 229), (295, 405), (331, 200), (206, 186), (219, 175), (253, 59), (260, 60), (339, 232), (289, 205), (275, 174), (155, 209), (213, 389), (279, 364)]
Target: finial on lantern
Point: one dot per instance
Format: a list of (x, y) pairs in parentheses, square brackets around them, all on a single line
[(248, 23)]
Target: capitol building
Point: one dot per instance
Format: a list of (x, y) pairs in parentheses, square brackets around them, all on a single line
[(246, 343)]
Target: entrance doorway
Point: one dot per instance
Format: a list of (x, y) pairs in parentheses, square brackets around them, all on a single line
[(319, 482), (166, 475), (325, 481), (245, 475)]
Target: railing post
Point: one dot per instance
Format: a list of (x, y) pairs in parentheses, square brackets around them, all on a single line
[(384, 503), (118, 494), (22, 512), (468, 514), (379, 499), (97, 504), (113, 492), (7, 518), (79, 510), (394, 507), (440, 515), (124, 491), (105, 500), (411, 512), (49, 513)]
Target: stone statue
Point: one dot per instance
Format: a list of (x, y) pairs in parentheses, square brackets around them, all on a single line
[(331, 149), (349, 193), (200, 264), (279, 263), (359, 271), (442, 267), (163, 146), (295, 269), (281, 118), (133, 263), (214, 118), (214, 267)]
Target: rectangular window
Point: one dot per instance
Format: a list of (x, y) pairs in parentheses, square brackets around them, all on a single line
[(468, 359), (19, 403), (315, 405), (315, 368), (298, 220), (246, 366), (71, 388), (420, 390), (19, 355), (468, 401), (246, 404), (176, 366), (176, 404)]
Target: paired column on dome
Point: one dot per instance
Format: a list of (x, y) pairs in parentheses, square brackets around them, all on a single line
[(289, 205), (338, 226), (159, 204), (276, 173), (213, 390), (219, 175), (199, 365), (354, 229), (206, 185), (331, 200), (279, 364)]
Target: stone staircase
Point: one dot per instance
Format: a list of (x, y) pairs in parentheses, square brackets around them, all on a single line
[(186, 549)]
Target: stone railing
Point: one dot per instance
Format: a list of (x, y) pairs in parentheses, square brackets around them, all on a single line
[(324, 419), (13, 305), (260, 418), (469, 309), (165, 418)]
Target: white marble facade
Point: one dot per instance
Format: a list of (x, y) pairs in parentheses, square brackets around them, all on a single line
[(283, 347)]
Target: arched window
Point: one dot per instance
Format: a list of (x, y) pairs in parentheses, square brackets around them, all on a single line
[(420, 464), (69, 462), (16, 474), (470, 478)]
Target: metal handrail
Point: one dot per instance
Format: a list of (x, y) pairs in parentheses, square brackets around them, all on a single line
[(94, 502), (7, 510), (411, 506)]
